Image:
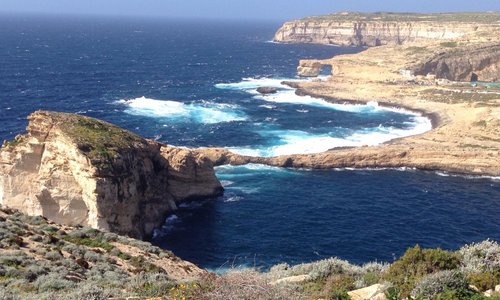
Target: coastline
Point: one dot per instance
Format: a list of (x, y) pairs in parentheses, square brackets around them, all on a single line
[(465, 124), (432, 116)]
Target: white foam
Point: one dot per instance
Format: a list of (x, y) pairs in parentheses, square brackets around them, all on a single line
[(233, 198), (251, 84), (268, 106), (301, 142), (224, 169), (226, 183), (289, 96), (204, 112), (472, 177)]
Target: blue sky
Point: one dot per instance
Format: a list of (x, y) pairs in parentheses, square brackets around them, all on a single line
[(239, 9)]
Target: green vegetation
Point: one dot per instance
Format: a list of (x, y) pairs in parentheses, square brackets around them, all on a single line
[(416, 50), (41, 260), (99, 140), (416, 263), (16, 141), (449, 44), (467, 17), (460, 95)]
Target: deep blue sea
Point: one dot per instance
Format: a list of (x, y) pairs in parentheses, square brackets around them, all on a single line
[(193, 83)]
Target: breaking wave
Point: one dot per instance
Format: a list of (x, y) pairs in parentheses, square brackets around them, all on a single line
[(286, 142), (203, 112)]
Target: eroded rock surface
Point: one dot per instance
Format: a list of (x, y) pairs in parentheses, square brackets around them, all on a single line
[(309, 68), (473, 63), (355, 29), (79, 170)]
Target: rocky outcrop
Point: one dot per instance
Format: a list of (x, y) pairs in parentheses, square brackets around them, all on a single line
[(309, 68), (383, 156), (374, 292), (79, 170), (473, 63), (267, 90), (353, 29)]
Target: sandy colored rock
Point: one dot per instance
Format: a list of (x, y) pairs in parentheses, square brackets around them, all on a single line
[(309, 68), (358, 29), (77, 170), (466, 119), (292, 279), (373, 292)]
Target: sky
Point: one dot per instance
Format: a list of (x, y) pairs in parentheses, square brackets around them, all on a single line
[(238, 9)]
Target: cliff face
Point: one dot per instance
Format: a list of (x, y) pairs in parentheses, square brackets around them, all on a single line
[(78, 170), (352, 29), (471, 63)]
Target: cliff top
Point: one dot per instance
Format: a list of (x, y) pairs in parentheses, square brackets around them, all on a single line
[(98, 140), (466, 17)]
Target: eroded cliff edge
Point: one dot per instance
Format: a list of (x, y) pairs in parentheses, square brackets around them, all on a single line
[(363, 29), (79, 170)]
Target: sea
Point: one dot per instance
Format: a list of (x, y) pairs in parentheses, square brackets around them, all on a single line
[(193, 83)]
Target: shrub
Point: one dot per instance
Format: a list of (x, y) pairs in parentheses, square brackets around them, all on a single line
[(236, 284), (484, 281), (481, 257), (416, 263), (432, 285), (92, 256), (89, 291), (109, 237), (52, 282), (6, 294), (33, 271), (337, 286), (316, 270), (53, 255), (151, 285)]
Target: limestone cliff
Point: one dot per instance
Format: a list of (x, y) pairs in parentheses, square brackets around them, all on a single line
[(463, 63), (79, 170), (357, 29)]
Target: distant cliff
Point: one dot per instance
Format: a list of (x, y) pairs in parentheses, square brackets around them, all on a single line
[(79, 170), (463, 63), (357, 29)]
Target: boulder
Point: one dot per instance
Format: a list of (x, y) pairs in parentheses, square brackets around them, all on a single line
[(267, 90), (373, 292), (309, 68)]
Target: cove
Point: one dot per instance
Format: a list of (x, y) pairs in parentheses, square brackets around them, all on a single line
[(270, 215)]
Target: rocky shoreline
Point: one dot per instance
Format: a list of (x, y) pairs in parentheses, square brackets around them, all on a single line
[(464, 116)]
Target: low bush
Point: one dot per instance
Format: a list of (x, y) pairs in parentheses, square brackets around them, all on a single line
[(236, 284), (53, 282), (417, 263), (337, 286), (432, 285), (481, 257), (151, 285), (484, 281)]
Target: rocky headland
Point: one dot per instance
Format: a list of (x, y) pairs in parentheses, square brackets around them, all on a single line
[(77, 170), (430, 76), (376, 29)]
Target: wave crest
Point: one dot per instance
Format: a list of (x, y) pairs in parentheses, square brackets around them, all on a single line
[(204, 112)]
